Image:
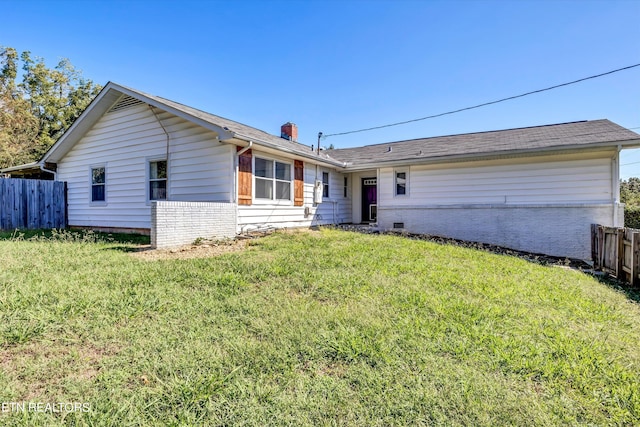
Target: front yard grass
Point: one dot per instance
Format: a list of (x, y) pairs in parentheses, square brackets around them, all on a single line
[(317, 328)]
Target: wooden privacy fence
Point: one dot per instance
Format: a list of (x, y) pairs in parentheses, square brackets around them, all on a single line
[(32, 204), (617, 251)]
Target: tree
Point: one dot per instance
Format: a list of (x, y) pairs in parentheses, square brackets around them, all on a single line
[(630, 191), (36, 111)]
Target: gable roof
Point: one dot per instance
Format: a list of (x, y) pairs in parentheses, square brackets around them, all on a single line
[(477, 145), (548, 138), (226, 129)]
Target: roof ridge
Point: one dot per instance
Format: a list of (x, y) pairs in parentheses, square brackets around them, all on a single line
[(470, 133)]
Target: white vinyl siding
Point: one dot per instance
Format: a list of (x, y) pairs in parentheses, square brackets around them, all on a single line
[(334, 209), (200, 167), (548, 180)]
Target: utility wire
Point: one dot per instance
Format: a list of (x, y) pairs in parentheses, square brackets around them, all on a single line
[(632, 163), (482, 105)]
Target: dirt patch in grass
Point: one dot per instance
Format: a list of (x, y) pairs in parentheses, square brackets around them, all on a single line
[(203, 250), (48, 367), (212, 248)]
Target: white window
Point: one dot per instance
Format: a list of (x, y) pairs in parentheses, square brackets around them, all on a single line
[(272, 179), (158, 180), (325, 184), (98, 184), (401, 182)]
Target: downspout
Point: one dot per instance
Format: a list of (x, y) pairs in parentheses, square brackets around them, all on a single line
[(378, 198), (245, 149), (615, 172), (167, 150), (55, 174)]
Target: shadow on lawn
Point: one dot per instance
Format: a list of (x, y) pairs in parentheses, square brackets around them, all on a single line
[(143, 247), (630, 292), (76, 235)]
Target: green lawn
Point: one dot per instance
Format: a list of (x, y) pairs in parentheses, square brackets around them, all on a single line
[(319, 328)]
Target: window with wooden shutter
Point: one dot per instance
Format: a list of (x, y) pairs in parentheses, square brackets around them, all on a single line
[(245, 177), (298, 186)]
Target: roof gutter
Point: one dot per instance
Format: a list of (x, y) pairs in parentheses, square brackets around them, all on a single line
[(30, 166), (20, 167), (633, 143)]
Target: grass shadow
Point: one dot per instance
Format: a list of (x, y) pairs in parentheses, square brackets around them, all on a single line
[(130, 249), (75, 235), (632, 293)]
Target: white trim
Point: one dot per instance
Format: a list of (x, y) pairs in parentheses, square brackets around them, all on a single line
[(274, 200), (406, 182), (327, 184), (615, 191), (345, 187), (147, 178)]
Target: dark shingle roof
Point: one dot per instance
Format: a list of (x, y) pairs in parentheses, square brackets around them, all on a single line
[(549, 137), (241, 130)]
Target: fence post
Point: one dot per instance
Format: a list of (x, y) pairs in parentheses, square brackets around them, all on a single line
[(601, 246), (635, 258), (594, 245), (620, 253), (66, 206)]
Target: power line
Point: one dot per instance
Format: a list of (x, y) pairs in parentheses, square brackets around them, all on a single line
[(482, 105)]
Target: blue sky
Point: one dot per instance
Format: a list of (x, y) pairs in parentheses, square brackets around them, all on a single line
[(335, 66)]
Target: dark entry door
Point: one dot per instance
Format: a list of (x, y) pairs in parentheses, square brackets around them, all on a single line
[(369, 199)]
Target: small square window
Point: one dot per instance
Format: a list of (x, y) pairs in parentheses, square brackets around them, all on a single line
[(264, 188), (264, 168), (283, 171)]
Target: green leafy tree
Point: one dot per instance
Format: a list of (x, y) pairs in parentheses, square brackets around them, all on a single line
[(630, 192), (36, 109)]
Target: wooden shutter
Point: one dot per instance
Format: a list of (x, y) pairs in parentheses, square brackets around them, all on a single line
[(245, 177), (298, 183)]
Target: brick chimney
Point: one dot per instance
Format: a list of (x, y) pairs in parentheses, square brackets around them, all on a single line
[(289, 131)]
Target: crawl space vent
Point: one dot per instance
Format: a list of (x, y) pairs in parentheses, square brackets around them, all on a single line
[(125, 101), (398, 225)]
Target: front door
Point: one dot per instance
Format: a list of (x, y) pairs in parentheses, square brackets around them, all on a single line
[(369, 199)]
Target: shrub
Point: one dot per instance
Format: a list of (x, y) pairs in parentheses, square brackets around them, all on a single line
[(632, 216)]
